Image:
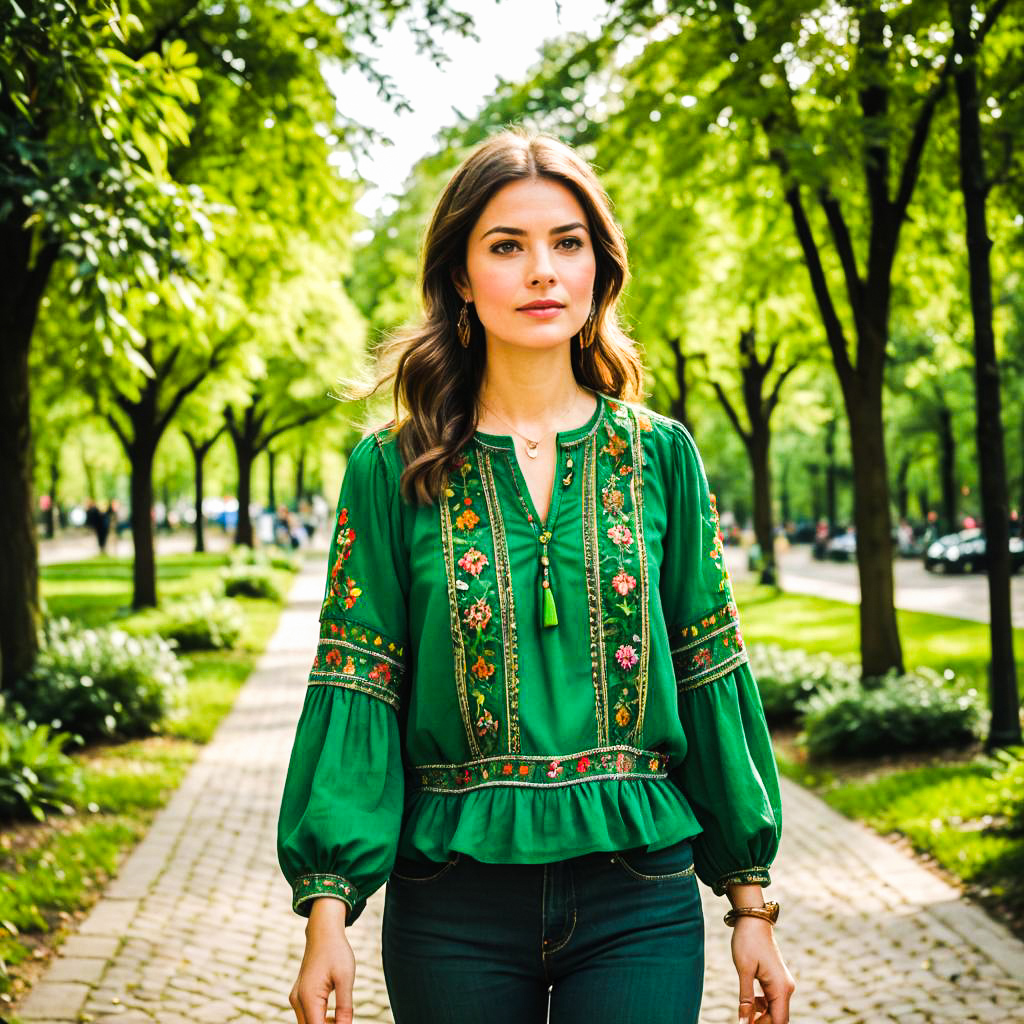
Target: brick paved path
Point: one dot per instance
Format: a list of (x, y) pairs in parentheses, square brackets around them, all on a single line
[(197, 926)]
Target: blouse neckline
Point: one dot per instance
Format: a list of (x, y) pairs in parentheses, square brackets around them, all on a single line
[(563, 437)]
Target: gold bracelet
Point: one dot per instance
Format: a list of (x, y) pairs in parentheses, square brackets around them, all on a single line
[(769, 912)]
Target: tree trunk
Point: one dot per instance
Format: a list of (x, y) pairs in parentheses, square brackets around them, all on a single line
[(759, 449), (1005, 728), (678, 409), (198, 456), (300, 474), (243, 532), (924, 502), (90, 476), (21, 290), (140, 456), (51, 512), (947, 471), (902, 490), (784, 497), (880, 640), (831, 510), (271, 497), (815, 474)]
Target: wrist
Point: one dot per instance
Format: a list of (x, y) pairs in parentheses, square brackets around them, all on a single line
[(745, 895), (328, 911)]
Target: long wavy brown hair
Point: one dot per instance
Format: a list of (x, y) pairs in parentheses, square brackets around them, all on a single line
[(436, 380)]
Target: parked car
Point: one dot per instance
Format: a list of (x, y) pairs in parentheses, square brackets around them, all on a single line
[(842, 548), (966, 552)]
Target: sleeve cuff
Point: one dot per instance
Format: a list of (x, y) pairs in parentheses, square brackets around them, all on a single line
[(748, 876), (307, 888)]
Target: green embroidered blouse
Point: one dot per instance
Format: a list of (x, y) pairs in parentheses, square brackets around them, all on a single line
[(442, 714)]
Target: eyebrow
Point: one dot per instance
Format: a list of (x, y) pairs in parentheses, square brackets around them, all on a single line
[(520, 231)]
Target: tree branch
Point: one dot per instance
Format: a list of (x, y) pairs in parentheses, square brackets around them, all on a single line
[(731, 413)]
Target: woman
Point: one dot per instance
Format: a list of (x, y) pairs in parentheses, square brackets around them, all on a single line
[(530, 711)]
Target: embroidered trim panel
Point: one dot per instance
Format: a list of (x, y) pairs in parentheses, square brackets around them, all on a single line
[(748, 876), (529, 770), (311, 887), (356, 657), (708, 649), (621, 572), (486, 650)]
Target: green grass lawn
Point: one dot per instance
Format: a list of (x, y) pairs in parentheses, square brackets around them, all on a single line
[(54, 871), (819, 625), (941, 803)]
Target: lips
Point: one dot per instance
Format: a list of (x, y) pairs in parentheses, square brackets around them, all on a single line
[(544, 304)]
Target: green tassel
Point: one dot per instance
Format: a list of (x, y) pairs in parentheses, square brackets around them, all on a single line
[(550, 614)]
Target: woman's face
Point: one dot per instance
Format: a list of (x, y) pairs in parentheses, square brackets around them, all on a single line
[(530, 265)]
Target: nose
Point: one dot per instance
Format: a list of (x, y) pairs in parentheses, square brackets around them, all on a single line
[(542, 270)]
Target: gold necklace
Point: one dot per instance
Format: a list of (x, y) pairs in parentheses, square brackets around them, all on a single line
[(531, 446)]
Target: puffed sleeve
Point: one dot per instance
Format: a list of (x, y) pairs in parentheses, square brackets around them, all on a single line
[(728, 773), (342, 802)]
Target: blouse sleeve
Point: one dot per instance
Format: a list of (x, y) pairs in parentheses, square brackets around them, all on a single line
[(342, 802), (728, 773)]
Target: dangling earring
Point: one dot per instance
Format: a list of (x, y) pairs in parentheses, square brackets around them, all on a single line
[(588, 332), (462, 325)]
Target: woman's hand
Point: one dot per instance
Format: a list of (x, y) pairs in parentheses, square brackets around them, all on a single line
[(756, 955), (327, 964)]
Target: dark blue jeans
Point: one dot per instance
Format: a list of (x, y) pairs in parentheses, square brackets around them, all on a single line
[(609, 938)]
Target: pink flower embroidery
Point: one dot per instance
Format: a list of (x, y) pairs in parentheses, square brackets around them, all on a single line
[(478, 614), (626, 656), (702, 658), (583, 763), (554, 770), (620, 535), (381, 671), (473, 561), (623, 583)]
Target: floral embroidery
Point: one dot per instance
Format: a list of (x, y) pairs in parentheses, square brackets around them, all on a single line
[(621, 534), (481, 608), (486, 723), (626, 656), (707, 649), (473, 561), (478, 614), (311, 887), (373, 664), (623, 583), (540, 770), (482, 669), (617, 577), (342, 586), (467, 520)]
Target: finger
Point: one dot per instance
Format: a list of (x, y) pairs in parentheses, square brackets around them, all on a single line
[(778, 990), (747, 1003), (314, 1007), (343, 1012), (761, 1014), (293, 999)]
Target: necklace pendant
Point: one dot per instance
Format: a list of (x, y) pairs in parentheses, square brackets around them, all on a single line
[(531, 449)]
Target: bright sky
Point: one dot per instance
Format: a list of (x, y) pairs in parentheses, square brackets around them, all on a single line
[(511, 33)]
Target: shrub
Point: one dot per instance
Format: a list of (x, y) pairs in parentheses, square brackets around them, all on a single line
[(1007, 802), (203, 623), (787, 677), (101, 683), (250, 581), (35, 774), (272, 557), (916, 711)]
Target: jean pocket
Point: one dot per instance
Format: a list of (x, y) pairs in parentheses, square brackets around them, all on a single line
[(421, 871), (666, 864)]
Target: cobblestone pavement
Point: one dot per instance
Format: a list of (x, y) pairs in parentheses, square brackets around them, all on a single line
[(197, 926)]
